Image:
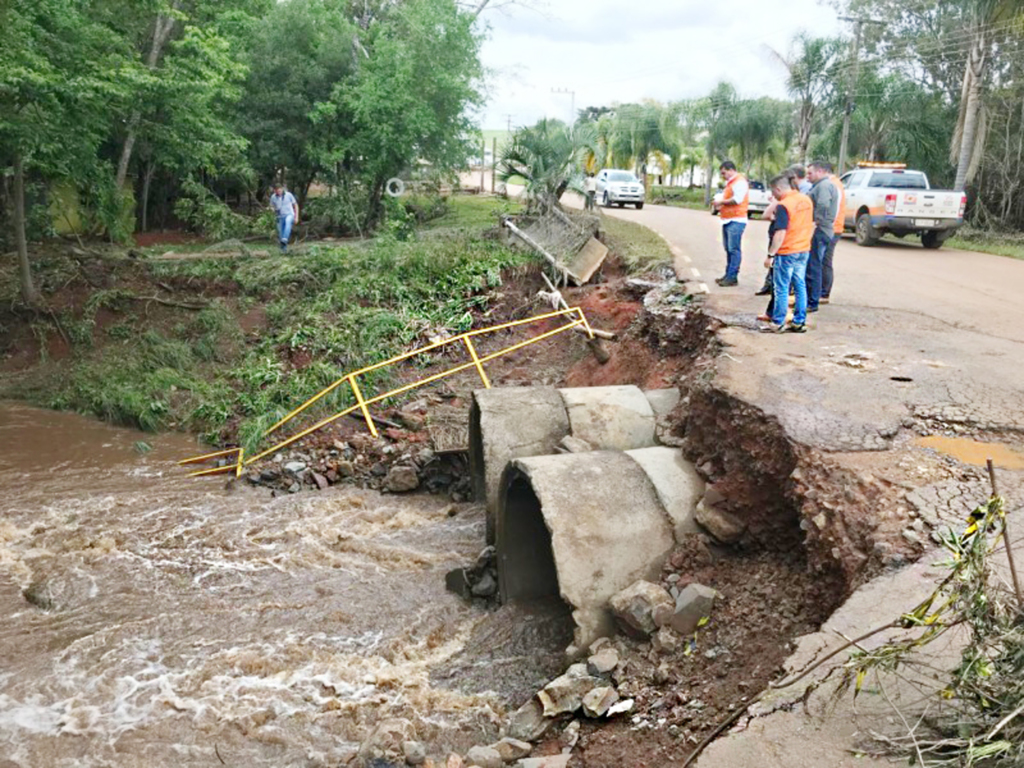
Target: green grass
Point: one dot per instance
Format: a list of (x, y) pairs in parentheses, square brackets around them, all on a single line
[(1009, 244), (640, 248), (679, 197), (328, 311), (473, 212)]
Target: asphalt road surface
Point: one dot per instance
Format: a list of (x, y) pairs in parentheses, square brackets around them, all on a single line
[(973, 291)]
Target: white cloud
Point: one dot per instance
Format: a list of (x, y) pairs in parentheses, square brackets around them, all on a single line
[(613, 51)]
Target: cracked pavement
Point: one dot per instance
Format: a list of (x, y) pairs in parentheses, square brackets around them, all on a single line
[(915, 343)]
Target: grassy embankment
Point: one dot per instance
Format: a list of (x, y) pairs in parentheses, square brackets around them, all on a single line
[(223, 347), (679, 197), (1009, 244)]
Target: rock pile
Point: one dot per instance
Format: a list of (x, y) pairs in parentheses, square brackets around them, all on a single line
[(479, 582)]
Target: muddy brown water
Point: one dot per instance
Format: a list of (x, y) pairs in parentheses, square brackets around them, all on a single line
[(147, 619)]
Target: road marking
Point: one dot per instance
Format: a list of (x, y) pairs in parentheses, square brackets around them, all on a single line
[(696, 272), (704, 288)]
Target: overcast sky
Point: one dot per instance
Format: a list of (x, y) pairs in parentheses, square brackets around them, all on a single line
[(627, 50)]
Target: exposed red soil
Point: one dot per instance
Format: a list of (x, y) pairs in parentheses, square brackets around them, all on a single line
[(170, 237)]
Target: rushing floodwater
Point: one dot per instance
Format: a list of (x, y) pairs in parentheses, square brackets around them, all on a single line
[(147, 619)]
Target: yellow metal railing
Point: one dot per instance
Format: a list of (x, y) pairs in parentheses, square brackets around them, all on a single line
[(574, 315)]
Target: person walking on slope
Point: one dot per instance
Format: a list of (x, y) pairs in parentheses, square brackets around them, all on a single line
[(788, 254), (733, 211), (286, 207), (825, 197)]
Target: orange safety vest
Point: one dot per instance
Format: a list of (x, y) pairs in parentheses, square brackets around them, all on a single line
[(840, 225), (800, 229), (730, 208)]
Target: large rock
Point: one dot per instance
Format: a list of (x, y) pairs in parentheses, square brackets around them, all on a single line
[(402, 478), (385, 742), (725, 527), (528, 722), (485, 757), (565, 693), (512, 749), (693, 604), (603, 662), (598, 701), (634, 607)]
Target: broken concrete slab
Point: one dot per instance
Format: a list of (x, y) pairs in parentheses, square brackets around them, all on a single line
[(560, 533), (575, 444), (635, 606), (663, 401), (610, 418), (677, 484), (584, 264)]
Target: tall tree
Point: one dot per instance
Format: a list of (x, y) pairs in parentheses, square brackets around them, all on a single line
[(58, 73), (810, 77)]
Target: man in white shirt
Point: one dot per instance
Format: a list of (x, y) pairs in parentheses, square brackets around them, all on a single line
[(733, 210), (286, 207), (590, 186)]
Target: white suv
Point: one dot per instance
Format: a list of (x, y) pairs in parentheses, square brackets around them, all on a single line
[(615, 187)]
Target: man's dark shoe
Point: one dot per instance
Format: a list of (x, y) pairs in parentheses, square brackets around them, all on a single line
[(765, 291), (812, 309), (794, 328), (727, 282)]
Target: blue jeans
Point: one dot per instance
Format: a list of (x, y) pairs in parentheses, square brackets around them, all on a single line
[(815, 266), (826, 268), (284, 229), (791, 268), (732, 238)]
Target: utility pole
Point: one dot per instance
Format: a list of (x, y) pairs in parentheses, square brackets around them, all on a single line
[(572, 94), (851, 84), (508, 119)]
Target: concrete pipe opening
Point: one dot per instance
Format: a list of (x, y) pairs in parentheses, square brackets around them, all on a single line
[(595, 518), (505, 424), (516, 422)]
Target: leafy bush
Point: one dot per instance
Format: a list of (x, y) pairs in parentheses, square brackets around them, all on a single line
[(340, 213), (207, 214)]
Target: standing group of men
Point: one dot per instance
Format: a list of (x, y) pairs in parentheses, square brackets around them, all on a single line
[(807, 218)]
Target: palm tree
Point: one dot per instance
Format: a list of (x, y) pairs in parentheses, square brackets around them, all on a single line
[(810, 78), (968, 142), (549, 156)]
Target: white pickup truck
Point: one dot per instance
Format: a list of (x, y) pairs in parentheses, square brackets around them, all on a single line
[(886, 198)]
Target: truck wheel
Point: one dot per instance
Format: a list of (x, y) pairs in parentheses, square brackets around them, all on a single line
[(866, 234), (931, 240), (639, 206)]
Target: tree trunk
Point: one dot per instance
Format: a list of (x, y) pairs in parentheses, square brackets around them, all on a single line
[(146, 181), (164, 25), (28, 289), (973, 75)]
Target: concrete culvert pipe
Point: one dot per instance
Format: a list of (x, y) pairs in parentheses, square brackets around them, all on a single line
[(515, 422), (581, 525), (506, 424)]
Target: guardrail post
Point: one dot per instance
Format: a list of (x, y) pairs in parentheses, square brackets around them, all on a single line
[(362, 406), (476, 361)]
